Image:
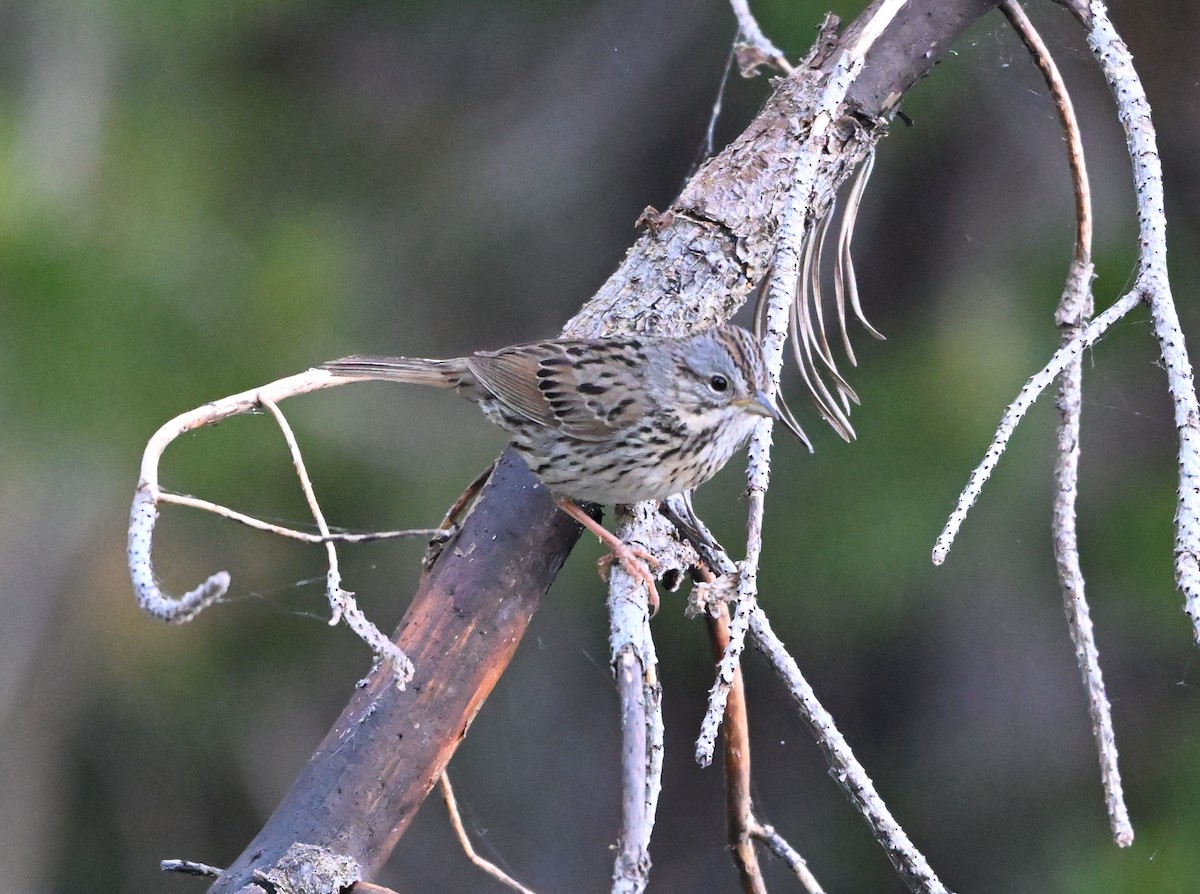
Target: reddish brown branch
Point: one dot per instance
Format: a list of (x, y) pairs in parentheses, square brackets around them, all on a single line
[(365, 782), (739, 814)]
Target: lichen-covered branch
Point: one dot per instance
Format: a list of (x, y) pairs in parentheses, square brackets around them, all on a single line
[(635, 666), (1154, 287)]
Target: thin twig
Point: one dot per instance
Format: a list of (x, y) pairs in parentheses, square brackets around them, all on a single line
[(1015, 412), (756, 49), (1074, 309), (341, 602), (739, 811), (776, 844), (258, 524), (464, 840), (1070, 123), (361, 887), (149, 495), (1153, 286), (742, 825), (843, 765), (710, 132)]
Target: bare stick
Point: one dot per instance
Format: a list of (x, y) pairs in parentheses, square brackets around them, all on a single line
[(1154, 287), (843, 765), (258, 524), (464, 840), (755, 49), (780, 289), (635, 667), (1015, 412), (1074, 309), (1076, 298), (742, 825), (341, 602)]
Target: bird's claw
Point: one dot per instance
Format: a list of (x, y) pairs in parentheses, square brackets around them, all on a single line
[(636, 562)]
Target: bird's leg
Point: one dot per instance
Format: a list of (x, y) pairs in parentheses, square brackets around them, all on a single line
[(635, 560)]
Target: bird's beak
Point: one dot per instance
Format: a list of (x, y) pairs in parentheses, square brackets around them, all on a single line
[(759, 405)]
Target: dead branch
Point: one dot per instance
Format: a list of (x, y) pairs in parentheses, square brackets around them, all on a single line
[(635, 668), (844, 767), (742, 824), (464, 840), (1074, 310), (806, 205), (708, 253), (149, 495), (1154, 287), (739, 809)]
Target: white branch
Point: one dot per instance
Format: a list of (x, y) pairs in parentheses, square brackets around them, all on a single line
[(1016, 411), (758, 48), (341, 602), (1154, 287), (166, 496), (778, 845), (843, 765), (144, 514), (1074, 308), (635, 664)]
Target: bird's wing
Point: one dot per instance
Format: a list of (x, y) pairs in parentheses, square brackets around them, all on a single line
[(585, 389)]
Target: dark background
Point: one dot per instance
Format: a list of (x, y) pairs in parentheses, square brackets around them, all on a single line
[(196, 198)]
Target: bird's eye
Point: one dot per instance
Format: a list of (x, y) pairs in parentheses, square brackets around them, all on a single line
[(719, 384)]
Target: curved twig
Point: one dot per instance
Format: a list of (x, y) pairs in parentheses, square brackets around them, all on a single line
[(144, 515), (464, 840), (149, 495)]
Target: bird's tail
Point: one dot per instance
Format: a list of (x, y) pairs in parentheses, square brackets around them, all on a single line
[(414, 370)]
